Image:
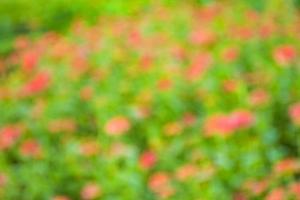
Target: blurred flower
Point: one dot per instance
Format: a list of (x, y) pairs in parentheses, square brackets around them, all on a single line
[(230, 85), (31, 148), (186, 171), (259, 97), (294, 189), (118, 125), (276, 194), (287, 165), (90, 191), (241, 119), (37, 84), (284, 54), (147, 159), (8, 136), (202, 37), (226, 124), (294, 113), (60, 197), (199, 66), (173, 128), (256, 187), (164, 84), (30, 61), (3, 179), (189, 119), (159, 183), (230, 54), (86, 93), (62, 125), (89, 148)]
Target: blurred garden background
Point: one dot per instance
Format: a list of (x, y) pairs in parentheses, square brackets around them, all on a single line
[(149, 100)]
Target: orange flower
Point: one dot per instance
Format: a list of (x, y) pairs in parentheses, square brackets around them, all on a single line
[(118, 125), (30, 60), (295, 189), (230, 54), (90, 191), (199, 66), (60, 197)]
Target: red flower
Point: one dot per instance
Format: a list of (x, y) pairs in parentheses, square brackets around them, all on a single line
[(295, 189), (287, 165), (159, 183), (294, 113), (147, 159), (230, 54), (117, 126), (284, 54), (39, 83), (259, 97), (202, 37), (8, 136)]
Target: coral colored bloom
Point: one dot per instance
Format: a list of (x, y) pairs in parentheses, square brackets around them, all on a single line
[(230, 54), (90, 191), (31, 148), (186, 171), (172, 128), (256, 187), (164, 84), (60, 197), (276, 194), (287, 165), (284, 54), (159, 183), (189, 119), (295, 189), (241, 119), (202, 36), (259, 97), (39, 83), (89, 148), (218, 124), (294, 113), (199, 66), (29, 61), (147, 159), (3, 180), (117, 126), (8, 136)]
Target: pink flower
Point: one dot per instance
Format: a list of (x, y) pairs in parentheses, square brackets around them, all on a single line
[(39, 83), (90, 191), (186, 171), (8, 136), (284, 54), (294, 113), (147, 160), (117, 125)]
